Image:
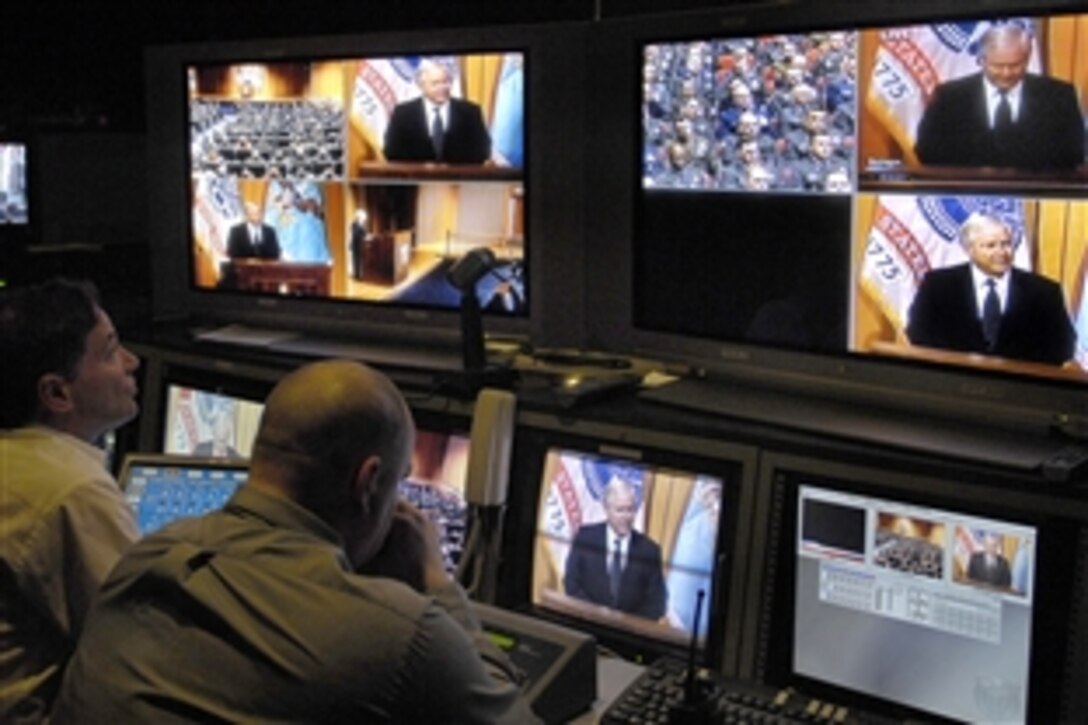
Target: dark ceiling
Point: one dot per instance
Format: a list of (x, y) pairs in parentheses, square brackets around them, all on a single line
[(79, 64)]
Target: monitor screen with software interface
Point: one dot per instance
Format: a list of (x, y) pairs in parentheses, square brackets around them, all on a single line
[(917, 585), (947, 599)]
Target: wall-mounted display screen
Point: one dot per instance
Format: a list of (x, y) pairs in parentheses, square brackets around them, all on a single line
[(359, 178), (934, 606), (851, 189)]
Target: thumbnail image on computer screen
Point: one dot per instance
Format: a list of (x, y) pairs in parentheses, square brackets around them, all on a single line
[(933, 607), (626, 545)]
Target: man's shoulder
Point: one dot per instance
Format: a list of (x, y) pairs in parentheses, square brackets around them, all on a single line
[(642, 540), (36, 455), (409, 104), (1033, 280), (946, 275), (1035, 82), (964, 85), (591, 531)]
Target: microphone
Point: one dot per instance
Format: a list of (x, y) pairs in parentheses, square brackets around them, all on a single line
[(696, 708), (464, 274)]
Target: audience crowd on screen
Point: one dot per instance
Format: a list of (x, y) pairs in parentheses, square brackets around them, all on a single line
[(297, 139), (773, 113)]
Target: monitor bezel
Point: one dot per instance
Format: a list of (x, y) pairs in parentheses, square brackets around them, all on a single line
[(1061, 526), (551, 54), (732, 463), (958, 393)]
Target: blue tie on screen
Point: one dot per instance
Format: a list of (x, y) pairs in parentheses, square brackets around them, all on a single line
[(615, 571), (1003, 115), (437, 134), (991, 315)]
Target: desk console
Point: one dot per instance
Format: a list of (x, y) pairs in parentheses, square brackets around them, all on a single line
[(560, 664), (658, 696)]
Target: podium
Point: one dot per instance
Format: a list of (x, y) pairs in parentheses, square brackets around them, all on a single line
[(301, 279), (387, 257)]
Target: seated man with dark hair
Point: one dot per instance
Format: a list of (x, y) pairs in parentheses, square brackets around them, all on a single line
[(258, 612), (63, 522)]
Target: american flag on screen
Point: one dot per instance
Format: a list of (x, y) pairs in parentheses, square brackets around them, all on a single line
[(185, 431), (911, 235), (217, 205), (911, 62), (968, 541)]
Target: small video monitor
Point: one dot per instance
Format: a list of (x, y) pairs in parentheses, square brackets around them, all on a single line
[(933, 605), (626, 545)]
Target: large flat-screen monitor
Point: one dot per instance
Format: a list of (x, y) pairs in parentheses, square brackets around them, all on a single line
[(624, 541), (915, 597), (308, 184), (800, 194), (14, 183)]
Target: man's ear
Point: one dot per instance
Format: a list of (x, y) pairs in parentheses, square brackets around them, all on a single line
[(365, 483), (54, 394)]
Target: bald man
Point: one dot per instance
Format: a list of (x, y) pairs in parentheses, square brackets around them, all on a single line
[(256, 613)]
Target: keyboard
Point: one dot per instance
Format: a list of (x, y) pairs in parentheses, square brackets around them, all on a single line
[(658, 696)]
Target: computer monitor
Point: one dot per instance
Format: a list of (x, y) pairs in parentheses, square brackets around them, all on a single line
[(296, 128), (768, 217), (623, 541), (209, 424), (162, 488), (14, 182), (917, 597)]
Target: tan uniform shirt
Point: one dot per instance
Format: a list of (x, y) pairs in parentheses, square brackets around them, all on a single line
[(63, 525)]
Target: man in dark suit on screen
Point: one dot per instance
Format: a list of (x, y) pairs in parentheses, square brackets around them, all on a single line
[(1003, 116), (612, 564), (436, 127), (989, 566), (252, 238), (990, 307)]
